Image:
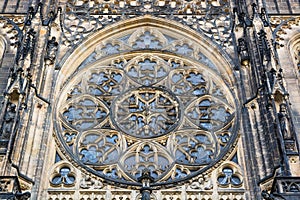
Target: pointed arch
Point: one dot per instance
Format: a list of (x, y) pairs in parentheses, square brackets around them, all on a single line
[(183, 34), (294, 47)]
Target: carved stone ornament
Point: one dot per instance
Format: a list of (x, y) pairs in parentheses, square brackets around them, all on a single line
[(87, 182), (212, 18), (8, 122), (121, 113), (204, 182)]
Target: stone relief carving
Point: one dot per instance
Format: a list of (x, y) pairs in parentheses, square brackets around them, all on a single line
[(204, 182), (87, 182)]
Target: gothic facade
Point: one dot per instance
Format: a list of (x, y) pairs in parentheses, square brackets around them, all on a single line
[(149, 99)]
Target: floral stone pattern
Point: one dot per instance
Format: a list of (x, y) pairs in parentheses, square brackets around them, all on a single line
[(146, 110)]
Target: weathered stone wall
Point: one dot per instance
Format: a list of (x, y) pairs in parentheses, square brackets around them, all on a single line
[(9, 10), (4, 72), (14, 6), (283, 6), (288, 37)]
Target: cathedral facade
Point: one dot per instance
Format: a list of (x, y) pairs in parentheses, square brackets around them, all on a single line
[(149, 99)]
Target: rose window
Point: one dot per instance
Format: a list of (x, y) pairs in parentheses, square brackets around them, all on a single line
[(119, 116)]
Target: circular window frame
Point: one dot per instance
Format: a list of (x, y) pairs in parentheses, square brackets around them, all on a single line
[(62, 88)]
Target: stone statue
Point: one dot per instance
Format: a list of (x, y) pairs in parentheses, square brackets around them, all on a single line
[(52, 46), (243, 51), (8, 121), (284, 122)]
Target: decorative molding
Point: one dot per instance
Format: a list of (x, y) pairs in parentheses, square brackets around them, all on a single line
[(211, 18), (88, 182)]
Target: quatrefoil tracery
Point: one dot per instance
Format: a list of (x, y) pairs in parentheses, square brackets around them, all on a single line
[(147, 111)]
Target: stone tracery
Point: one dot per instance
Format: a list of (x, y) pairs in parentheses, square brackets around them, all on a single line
[(184, 120), (211, 18), (166, 107), (146, 112)]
